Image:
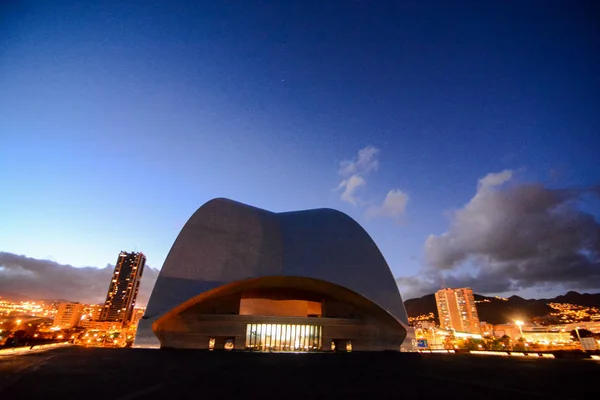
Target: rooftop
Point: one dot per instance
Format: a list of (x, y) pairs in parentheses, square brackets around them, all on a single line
[(90, 373)]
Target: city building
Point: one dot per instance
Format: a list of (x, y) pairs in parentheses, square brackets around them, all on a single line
[(486, 328), (592, 326), (511, 330), (545, 336), (533, 334), (138, 313), (68, 315), (245, 278), (457, 310), (110, 326), (91, 313), (123, 288)]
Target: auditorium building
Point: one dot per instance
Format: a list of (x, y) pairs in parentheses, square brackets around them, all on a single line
[(243, 278)]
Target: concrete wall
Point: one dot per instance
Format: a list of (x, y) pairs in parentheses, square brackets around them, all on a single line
[(194, 331)]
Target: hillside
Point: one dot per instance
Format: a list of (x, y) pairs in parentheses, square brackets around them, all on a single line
[(497, 311)]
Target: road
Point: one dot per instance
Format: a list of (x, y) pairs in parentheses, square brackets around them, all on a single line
[(93, 373)]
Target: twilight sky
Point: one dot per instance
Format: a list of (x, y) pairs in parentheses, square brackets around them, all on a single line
[(462, 136)]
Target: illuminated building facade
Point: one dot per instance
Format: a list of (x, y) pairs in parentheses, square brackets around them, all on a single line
[(246, 278), (68, 315), (91, 313), (123, 288), (457, 310)]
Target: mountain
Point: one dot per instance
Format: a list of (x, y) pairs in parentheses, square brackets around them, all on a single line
[(499, 311), (421, 306), (585, 299)]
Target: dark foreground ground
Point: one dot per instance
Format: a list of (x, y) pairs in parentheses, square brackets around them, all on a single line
[(83, 374)]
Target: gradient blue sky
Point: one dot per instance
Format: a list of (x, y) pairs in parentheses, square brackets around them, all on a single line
[(118, 121)]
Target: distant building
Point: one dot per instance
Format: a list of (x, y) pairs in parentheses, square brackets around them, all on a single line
[(68, 315), (95, 311), (123, 288), (592, 326), (103, 326), (137, 315), (457, 310), (510, 330), (546, 336), (91, 313), (486, 328)]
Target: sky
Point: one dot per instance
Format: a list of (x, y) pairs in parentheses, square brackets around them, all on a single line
[(462, 136)]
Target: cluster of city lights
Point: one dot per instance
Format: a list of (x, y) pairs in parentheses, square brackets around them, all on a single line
[(33, 308), (567, 312), (416, 321), (35, 317)]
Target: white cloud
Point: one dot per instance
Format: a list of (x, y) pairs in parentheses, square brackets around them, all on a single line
[(350, 185), (495, 179), (354, 172), (365, 162), (513, 237), (394, 205)]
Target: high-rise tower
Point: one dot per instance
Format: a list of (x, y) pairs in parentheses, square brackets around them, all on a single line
[(123, 289), (457, 310)]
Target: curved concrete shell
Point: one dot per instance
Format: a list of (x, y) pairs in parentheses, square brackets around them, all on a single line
[(231, 264)]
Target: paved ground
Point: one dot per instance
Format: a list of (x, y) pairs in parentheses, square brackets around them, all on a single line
[(79, 373)]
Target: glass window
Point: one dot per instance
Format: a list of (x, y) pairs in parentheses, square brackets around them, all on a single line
[(277, 337)]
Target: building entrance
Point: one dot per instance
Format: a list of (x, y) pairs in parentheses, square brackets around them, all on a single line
[(282, 337)]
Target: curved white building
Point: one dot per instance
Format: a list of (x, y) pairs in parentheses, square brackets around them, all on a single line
[(246, 278)]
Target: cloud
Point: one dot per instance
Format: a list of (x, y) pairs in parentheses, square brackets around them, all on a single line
[(43, 279), (491, 180), (354, 172), (394, 205), (365, 162), (514, 237), (350, 185)]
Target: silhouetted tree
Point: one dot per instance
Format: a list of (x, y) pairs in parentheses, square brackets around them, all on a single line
[(493, 343), (470, 344), (504, 340), (519, 344)]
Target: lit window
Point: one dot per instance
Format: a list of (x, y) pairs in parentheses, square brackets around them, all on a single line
[(280, 337)]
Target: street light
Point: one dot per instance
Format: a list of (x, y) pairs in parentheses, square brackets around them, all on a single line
[(579, 337), (520, 325), (577, 332)]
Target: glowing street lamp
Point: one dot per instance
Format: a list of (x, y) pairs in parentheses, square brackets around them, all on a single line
[(579, 338), (577, 332), (520, 325)]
